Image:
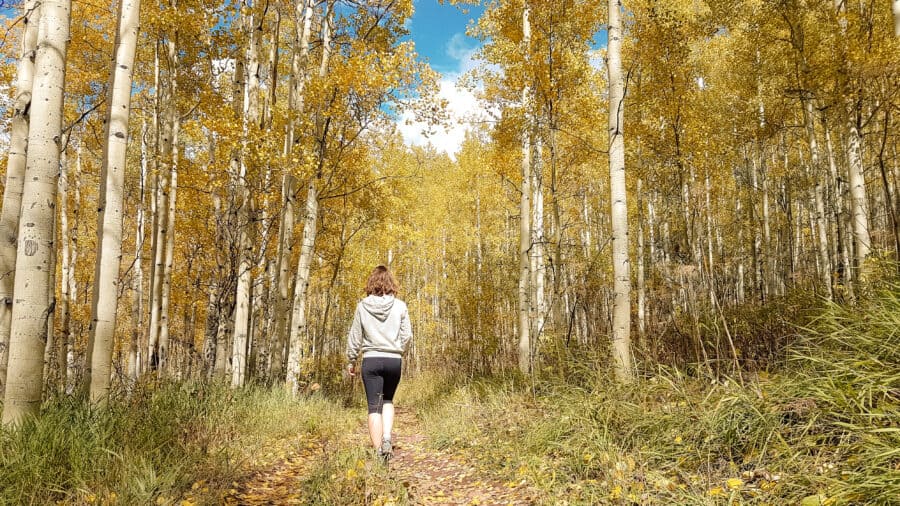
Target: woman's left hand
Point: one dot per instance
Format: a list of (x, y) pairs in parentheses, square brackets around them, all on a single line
[(351, 370)]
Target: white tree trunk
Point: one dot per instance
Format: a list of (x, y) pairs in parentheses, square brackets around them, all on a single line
[(15, 176), (247, 86), (169, 257), (538, 271), (710, 259), (858, 201), (72, 281), (621, 320), (525, 215), (299, 61), (641, 289), (307, 244), (157, 210), (298, 312), (283, 268), (112, 188), (66, 271), (134, 356), (818, 198), (31, 309)]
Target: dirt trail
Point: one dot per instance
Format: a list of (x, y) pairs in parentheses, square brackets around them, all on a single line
[(444, 477), (431, 477)]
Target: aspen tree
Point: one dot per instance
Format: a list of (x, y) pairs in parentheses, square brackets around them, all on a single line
[(299, 62), (249, 112), (858, 200), (538, 268), (66, 269), (310, 222), (525, 322), (157, 210), (621, 323), (15, 175), (641, 276), (166, 211), (110, 209), (134, 349), (818, 198), (31, 309)]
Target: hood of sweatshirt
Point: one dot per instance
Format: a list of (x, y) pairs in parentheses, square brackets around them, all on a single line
[(379, 306)]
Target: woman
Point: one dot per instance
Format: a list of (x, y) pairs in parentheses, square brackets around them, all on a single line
[(380, 332)]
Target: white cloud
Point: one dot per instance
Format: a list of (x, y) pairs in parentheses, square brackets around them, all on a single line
[(463, 107)]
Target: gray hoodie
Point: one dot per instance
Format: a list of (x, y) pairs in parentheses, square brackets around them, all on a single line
[(380, 328)]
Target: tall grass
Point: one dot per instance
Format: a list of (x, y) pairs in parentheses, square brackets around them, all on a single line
[(151, 445), (824, 428)]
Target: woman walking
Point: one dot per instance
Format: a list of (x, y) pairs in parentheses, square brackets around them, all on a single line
[(380, 332)]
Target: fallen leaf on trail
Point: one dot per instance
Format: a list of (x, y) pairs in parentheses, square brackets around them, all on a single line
[(734, 483), (716, 492)]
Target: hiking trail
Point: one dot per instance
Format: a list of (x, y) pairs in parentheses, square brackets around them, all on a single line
[(430, 476)]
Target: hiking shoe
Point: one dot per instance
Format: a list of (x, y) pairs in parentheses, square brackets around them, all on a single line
[(386, 450)]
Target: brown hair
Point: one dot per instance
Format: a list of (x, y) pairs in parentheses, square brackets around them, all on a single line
[(382, 282)]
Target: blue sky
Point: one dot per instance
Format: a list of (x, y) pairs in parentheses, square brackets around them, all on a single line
[(439, 32)]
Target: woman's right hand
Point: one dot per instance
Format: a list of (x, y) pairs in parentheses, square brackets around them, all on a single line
[(351, 369)]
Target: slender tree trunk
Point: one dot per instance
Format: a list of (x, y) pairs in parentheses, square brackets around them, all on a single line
[(65, 336), (166, 210), (249, 112), (299, 62), (560, 289), (74, 327), (310, 223), (15, 176), (525, 214), (641, 289), (134, 361), (538, 263), (31, 310), (168, 266), (740, 292), (818, 198), (621, 318), (160, 190), (111, 208), (858, 202), (298, 312)]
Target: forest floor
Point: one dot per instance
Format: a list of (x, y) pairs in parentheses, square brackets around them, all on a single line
[(421, 474)]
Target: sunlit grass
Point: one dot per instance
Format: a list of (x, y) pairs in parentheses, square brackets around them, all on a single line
[(825, 427), (153, 444)]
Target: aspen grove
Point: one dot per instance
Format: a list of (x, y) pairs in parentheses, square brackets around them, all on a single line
[(195, 192)]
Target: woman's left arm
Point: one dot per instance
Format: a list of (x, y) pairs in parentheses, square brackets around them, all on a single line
[(354, 338), (405, 329)]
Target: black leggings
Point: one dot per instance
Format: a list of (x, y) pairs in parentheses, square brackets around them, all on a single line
[(380, 376)]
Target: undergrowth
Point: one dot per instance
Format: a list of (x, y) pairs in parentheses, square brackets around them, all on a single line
[(351, 476), (824, 429), (151, 446)]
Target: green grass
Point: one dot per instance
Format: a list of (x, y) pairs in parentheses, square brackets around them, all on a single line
[(824, 429), (821, 428), (153, 444), (350, 476)]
